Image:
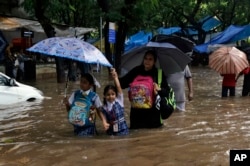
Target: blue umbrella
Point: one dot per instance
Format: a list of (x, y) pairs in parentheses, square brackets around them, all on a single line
[(70, 48)]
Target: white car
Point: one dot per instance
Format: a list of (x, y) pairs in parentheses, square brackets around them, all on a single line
[(12, 91)]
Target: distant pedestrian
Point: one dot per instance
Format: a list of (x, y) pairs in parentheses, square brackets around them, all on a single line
[(19, 64), (246, 81), (228, 85), (72, 70), (177, 82), (9, 61), (84, 67)]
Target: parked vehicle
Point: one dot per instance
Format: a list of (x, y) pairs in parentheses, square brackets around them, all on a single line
[(12, 91)]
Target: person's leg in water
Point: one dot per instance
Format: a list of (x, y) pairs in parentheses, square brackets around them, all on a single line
[(224, 91), (232, 91)]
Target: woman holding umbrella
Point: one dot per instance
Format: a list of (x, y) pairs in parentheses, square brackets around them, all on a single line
[(145, 117)]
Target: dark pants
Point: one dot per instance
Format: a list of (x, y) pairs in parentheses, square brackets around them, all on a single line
[(225, 90), (246, 91), (145, 118), (84, 131), (246, 85)]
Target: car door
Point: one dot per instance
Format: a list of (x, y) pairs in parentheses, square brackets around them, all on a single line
[(8, 94)]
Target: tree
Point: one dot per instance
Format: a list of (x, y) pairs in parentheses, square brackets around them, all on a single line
[(40, 6), (130, 10), (63, 12), (134, 15)]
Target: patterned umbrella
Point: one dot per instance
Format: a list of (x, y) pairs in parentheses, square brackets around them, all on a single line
[(228, 60), (70, 48)]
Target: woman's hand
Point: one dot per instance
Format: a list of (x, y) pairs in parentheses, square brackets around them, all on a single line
[(156, 88), (190, 96)]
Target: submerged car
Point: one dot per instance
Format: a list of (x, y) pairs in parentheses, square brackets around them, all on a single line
[(12, 91)]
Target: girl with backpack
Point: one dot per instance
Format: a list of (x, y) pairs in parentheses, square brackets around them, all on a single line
[(82, 107), (142, 111), (113, 108)]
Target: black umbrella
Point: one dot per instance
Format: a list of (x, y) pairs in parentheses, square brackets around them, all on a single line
[(184, 44), (246, 50), (170, 58)]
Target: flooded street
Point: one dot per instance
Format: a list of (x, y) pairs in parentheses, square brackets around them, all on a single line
[(38, 134)]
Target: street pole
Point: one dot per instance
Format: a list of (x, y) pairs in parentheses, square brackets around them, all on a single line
[(101, 33)]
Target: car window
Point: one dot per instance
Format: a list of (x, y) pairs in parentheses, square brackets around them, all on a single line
[(3, 81)]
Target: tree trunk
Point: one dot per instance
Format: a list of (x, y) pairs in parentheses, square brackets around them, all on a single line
[(104, 5), (120, 40), (50, 32), (121, 33), (106, 41)]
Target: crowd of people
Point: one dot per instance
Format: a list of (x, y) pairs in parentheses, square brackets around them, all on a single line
[(143, 112), (84, 104), (14, 63)]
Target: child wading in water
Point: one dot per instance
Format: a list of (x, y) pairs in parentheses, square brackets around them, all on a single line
[(82, 106), (113, 107)]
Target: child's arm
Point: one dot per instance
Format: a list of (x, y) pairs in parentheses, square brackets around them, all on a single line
[(66, 103), (116, 80), (103, 119)]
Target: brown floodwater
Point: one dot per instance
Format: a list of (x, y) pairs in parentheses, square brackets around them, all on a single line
[(38, 134)]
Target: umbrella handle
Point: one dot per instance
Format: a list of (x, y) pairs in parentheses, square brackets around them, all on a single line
[(66, 87)]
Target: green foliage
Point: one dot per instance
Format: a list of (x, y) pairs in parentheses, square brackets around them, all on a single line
[(28, 7), (144, 14), (73, 13)]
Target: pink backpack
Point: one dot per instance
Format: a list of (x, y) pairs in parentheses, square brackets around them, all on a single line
[(141, 92)]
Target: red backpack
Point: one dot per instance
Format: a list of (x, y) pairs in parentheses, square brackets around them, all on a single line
[(141, 92)]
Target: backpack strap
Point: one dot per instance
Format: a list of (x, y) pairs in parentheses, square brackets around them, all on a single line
[(77, 92), (92, 95), (159, 77)]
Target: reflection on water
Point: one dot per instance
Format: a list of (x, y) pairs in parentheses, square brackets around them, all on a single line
[(39, 134)]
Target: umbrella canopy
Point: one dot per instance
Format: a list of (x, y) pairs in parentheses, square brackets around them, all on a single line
[(228, 60), (184, 44), (70, 48), (246, 50), (170, 58)]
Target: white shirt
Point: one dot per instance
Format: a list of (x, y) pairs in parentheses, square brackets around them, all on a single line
[(97, 102), (119, 99)]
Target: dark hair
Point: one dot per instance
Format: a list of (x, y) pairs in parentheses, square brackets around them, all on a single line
[(90, 79), (106, 89), (152, 52)]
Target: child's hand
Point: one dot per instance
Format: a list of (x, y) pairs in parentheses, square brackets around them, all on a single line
[(113, 72), (65, 101), (105, 125)]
